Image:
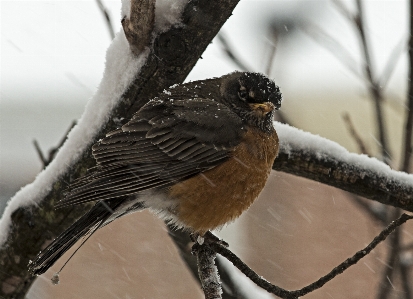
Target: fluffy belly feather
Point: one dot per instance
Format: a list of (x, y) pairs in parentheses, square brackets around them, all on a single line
[(215, 197)]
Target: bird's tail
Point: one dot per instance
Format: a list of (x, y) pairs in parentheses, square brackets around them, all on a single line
[(86, 225)]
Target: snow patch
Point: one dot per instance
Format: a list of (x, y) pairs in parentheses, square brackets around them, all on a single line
[(295, 139), (167, 13), (125, 9), (121, 68)]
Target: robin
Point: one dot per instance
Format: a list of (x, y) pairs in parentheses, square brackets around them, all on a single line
[(198, 155)]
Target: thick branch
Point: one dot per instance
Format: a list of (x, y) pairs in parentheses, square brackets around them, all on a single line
[(172, 56), (336, 167)]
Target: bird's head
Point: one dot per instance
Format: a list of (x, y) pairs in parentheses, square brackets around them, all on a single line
[(252, 96)]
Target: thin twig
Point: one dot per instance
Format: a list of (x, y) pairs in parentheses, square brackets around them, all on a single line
[(237, 262), (222, 250), (273, 49), (320, 36), (406, 281), (407, 140), (40, 153), (407, 149), (353, 132), (373, 87), (392, 261), (391, 64), (229, 51), (107, 18), (52, 151), (343, 9)]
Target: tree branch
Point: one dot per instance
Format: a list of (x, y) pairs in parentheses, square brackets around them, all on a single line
[(280, 292), (360, 175), (172, 56), (207, 270)]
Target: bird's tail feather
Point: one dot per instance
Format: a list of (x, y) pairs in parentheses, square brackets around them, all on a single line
[(85, 225)]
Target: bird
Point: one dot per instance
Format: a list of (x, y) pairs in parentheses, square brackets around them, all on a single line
[(197, 155)]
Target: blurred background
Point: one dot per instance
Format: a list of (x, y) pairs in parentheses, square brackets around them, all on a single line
[(52, 60)]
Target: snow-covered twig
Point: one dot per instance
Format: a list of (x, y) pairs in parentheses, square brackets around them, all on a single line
[(325, 161)]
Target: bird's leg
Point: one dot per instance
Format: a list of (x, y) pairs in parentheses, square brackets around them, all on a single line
[(207, 238)]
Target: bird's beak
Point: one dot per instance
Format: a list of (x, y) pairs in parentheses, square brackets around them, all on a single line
[(264, 108)]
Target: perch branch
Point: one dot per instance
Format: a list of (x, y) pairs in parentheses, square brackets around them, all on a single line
[(184, 244), (172, 56), (207, 270), (280, 292)]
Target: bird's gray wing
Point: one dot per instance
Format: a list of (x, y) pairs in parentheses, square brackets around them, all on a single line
[(165, 142)]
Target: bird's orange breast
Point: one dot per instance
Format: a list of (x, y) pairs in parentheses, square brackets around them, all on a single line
[(217, 196)]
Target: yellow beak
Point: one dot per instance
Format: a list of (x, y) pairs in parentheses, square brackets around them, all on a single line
[(263, 108)]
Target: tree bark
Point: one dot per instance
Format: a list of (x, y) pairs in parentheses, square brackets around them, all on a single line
[(173, 55), (358, 179)]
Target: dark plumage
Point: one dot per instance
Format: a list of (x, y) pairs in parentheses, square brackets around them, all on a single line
[(198, 155)]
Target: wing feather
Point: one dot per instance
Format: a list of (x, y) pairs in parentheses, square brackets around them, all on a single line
[(165, 142)]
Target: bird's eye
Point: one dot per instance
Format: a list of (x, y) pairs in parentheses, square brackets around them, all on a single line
[(243, 94)]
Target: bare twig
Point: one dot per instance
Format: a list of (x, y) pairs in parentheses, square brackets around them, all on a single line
[(273, 48), (53, 150), (237, 262), (406, 282), (374, 87), (107, 18), (222, 250), (229, 51), (331, 44), (343, 9), (392, 260), (407, 142), (407, 151), (351, 128), (40, 153), (391, 64)]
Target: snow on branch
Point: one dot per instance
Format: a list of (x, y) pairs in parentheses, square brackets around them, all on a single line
[(130, 80), (327, 162)]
